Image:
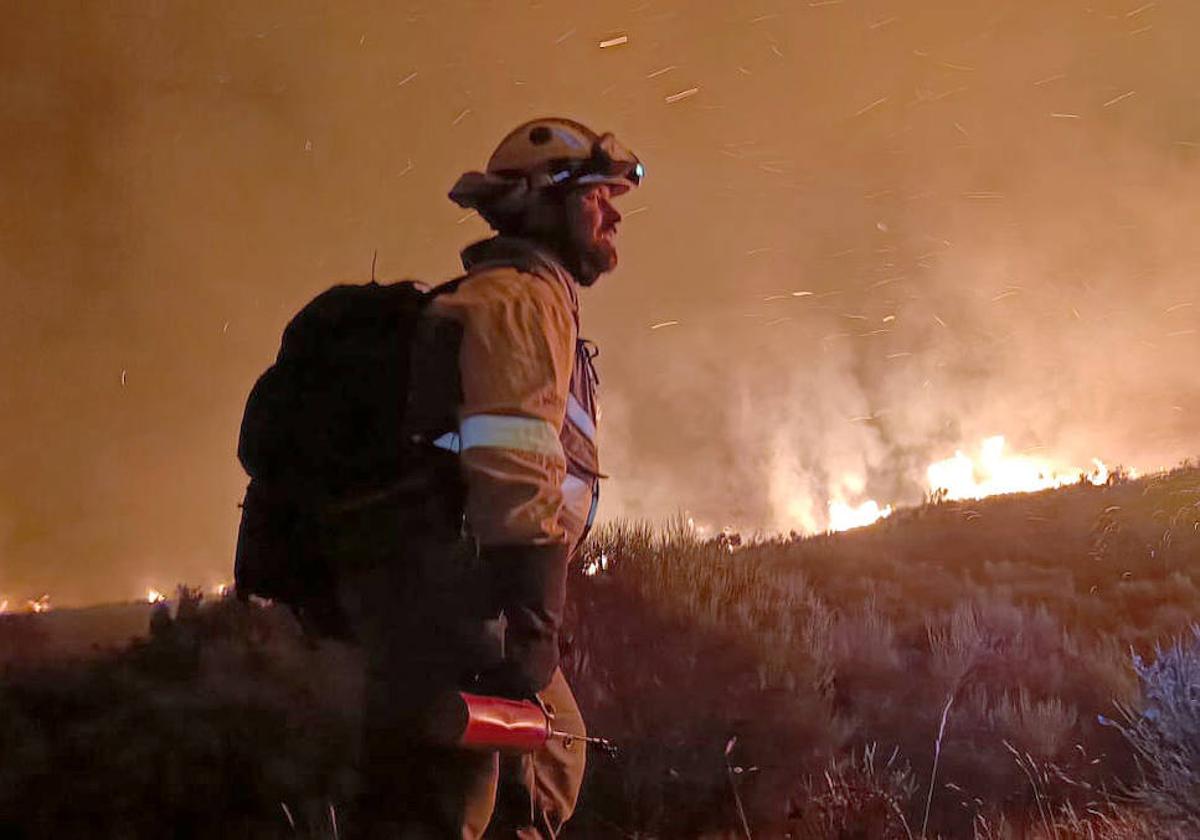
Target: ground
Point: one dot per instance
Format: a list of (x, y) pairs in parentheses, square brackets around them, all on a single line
[(958, 670)]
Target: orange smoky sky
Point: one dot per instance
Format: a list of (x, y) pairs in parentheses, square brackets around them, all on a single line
[(991, 205)]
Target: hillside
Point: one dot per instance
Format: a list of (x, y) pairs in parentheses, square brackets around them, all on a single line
[(71, 633), (1013, 615), (805, 685)]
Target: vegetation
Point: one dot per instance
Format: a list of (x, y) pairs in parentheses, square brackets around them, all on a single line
[(1023, 666)]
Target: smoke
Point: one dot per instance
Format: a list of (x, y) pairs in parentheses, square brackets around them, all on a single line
[(1063, 322), (990, 206), (1030, 275)]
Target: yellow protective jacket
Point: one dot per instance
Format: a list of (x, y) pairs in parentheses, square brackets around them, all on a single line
[(526, 438), (527, 416)]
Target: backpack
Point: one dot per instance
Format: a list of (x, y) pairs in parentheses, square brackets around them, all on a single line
[(323, 429)]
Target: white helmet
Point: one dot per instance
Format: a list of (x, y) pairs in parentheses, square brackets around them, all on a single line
[(544, 153), (557, 151)]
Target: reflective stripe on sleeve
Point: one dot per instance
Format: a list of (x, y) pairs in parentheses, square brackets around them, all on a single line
[(578, 416), (450, 442), (526, 434)]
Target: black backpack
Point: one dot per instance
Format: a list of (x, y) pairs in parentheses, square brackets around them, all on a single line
[(324, 428)]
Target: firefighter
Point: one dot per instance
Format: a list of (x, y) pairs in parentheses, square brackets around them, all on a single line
[(483, 609)]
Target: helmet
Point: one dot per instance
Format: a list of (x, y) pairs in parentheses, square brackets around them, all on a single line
[(543, 153), (559, 151)]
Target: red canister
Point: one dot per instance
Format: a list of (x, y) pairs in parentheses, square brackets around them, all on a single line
[(483, 723), (498, 723)]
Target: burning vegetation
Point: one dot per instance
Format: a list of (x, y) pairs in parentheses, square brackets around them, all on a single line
[(959, 669), (992, 473), (39, 604), (991, 208)]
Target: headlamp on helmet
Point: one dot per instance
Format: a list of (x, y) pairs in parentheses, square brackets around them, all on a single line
[(546, 153), (609, 163)]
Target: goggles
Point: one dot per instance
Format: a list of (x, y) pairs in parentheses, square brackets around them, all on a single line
[(609, 161)]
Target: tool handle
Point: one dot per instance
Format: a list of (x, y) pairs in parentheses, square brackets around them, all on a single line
[(603, 744)]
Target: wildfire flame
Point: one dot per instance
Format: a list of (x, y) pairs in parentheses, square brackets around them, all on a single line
[(3, 606), (221, 590), (992, 473), (843, 517), (153, 596), (599, 564), (39, 605), (995, 472)]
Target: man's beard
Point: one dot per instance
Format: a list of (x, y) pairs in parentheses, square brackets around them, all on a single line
[(598, 258), (587, 257)]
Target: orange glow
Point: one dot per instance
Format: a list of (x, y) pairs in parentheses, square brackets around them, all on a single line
[(153, 596), (994, 472), (843, 516), (39, 605), (600, 564)]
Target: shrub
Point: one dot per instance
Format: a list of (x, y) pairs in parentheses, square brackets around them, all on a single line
[(1165, 735), (855, 797)]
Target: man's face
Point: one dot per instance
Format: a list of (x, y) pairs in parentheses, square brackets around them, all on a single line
[(591, 230)]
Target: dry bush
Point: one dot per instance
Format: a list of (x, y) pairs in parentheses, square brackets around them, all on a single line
[(1040, 728), (854, 797), (1165, 733), (956, 644), (201, 730), (676, 650), (1100, 821)]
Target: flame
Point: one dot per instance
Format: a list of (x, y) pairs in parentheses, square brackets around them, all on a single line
[(843, 516), (599, 564), (39, 605), (221, 590), (3, 606), (991, 473), (994, 472), (153, 596)]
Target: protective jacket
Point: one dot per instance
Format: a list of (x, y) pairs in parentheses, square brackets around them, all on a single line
[(525, 434)]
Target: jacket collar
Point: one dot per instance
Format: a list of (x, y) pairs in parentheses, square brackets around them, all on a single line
[(523, 255)]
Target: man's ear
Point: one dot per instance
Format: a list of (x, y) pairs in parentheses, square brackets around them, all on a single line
[(547, 217)]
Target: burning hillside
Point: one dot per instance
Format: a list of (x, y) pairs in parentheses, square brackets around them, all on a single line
[(992, 472), (819, 674)]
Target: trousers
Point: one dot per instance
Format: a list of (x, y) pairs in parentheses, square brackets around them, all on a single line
[(417, 612)]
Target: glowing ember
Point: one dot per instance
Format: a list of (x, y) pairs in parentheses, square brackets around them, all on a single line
[(843, 517), (153, 596), (599, 564), (39, 605), (995, 472)]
